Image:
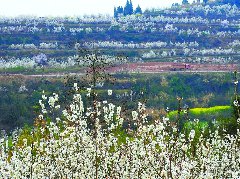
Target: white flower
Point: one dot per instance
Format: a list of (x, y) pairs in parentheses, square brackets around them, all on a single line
[(109, 92), (161, 126), (44, 111), (119, 109), (75, 85), (51, 101), (134, 115), (238, 120), (57, 107), (184, 148), (174, 129), (235, 103), (40, 116), (205, 151), (89, 90), (22, 88), (58, 119), (165, 119), (192, 134), (44, 97)]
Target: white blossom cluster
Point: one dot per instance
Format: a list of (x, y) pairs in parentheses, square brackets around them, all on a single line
[(30, 63), (32, 24), (75, 30), (235, 43), (22, 46), (13, 63), (55, 29), (198, 33), (18, 29), (214, 54), (42, 45), (226, 10), (206, 60), (70, 61), (131, 45), (22, 88), (68, 148), (48, 45), (110, 44), (162, 19), (165, 22), (55, 21), (215, 51)]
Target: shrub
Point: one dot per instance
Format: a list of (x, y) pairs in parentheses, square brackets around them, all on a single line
[(91, 142)]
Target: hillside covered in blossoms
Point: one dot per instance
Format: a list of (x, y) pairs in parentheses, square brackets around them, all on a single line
[(142, 93), (198, 34)]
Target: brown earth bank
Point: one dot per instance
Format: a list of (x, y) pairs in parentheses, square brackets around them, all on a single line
[(146, 67), (155, 67)]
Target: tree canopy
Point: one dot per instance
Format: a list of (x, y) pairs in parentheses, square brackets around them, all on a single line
[(127, 10)]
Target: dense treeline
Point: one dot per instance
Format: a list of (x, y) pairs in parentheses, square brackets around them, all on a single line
[(19, 99), (127, 10)]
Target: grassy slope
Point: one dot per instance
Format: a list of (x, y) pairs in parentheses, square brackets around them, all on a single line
[(211, 113)]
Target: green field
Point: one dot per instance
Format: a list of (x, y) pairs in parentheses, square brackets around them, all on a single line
[(204, 114)]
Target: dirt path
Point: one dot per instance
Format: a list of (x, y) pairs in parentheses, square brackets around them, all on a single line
[(146, 68), (81, 74)]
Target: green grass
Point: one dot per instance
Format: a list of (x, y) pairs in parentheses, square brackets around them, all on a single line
[(211, 110), (205, 114)]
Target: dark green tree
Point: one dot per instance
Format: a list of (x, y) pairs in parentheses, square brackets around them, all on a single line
[(128, 9), (138, 10), (232, 2), (115, 12), (238, 3), (120, 10)]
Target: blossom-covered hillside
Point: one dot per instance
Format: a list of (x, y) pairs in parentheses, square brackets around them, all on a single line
[(196, 33)]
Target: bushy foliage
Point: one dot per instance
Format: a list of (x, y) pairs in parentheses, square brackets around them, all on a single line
[(198, 90)]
